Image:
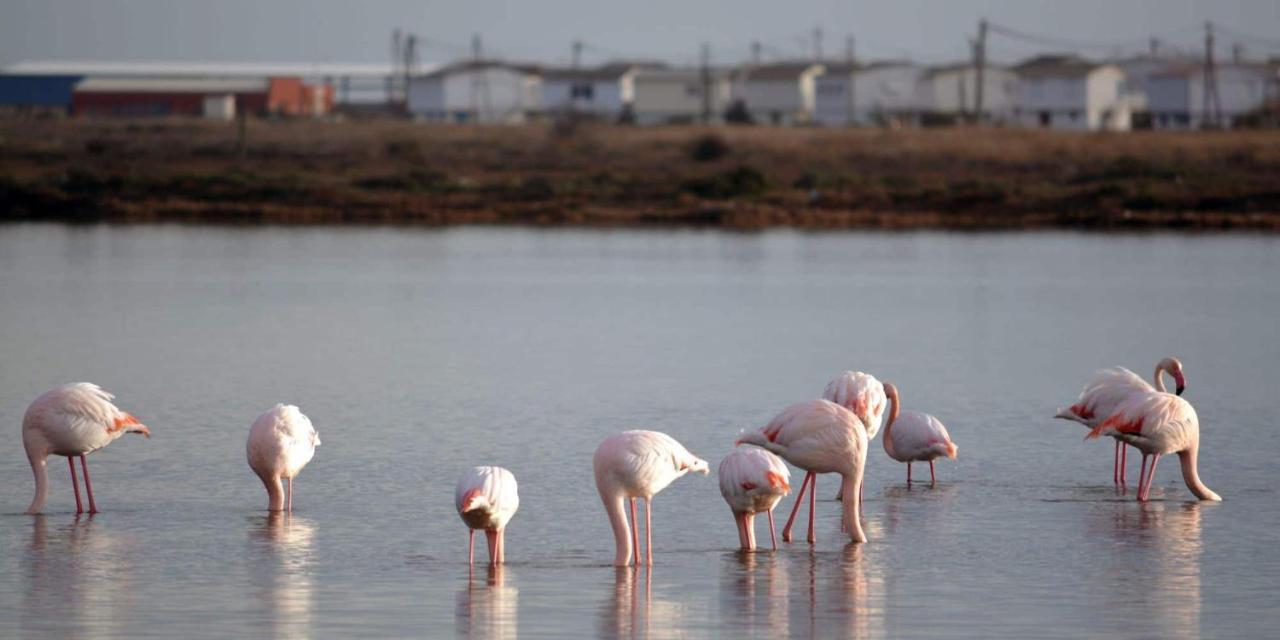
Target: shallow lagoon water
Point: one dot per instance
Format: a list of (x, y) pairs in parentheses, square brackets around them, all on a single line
[(418, 353)]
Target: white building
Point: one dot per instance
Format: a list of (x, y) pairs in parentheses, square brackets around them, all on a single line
[(881, 93), (484, 91), (675, 96), (950, 92), (1069, 93), (1175, 97), (602, 92), (781, 93)]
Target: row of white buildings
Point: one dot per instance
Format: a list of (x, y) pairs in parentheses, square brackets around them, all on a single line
[(1059, 92)]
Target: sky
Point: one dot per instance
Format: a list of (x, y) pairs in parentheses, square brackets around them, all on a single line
[(337, 31)]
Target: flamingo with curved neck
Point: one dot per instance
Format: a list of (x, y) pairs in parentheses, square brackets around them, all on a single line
[(1158, 424), (918, 437)]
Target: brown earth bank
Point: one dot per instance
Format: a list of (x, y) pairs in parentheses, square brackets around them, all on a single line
[(314, 172)]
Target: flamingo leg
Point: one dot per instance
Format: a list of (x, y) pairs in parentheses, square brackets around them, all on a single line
[(1115, 466), (75, 485), (1142, 476), (88, 486), (740, 518), (786, 529), (932, 478), (492, 537), (1124, 461), (813, 500), (502, 546), (908, 475), (471, 546), (1151, 476), (290, 507), (648, 530), (773, 539), (635, 534)]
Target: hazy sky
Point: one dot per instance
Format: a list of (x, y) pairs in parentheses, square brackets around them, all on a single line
[(359, 30)]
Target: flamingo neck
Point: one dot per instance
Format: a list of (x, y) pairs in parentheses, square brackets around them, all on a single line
[(41, 472), (1191, 475), (1159, 379), (615, 505), (275, 493), (891, 395)]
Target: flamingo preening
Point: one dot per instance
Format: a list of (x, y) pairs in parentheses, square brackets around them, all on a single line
[(914, 436), (1158, 423), (753, 480), (1107, 390), (862, 394), (486, 498), (637, 464), (819, 436), (281, 442), (73, 420)]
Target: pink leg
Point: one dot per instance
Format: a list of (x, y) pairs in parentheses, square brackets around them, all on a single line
[(290, 506), (908, 475), (635, 534), (75, 485), (813, 500), (88, 486), (1142, 476), (471, 546), (786, 529), (1124, 461), (932, 479), (1115, 466), (773, 539), (502, 546), (492, 537), (648, 530), (1151, 476)]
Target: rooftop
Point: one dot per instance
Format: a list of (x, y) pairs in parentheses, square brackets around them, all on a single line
[(137, 68)]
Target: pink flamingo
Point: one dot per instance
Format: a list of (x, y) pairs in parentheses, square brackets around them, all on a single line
[(1107, 390), (1159, 423), (862, 394), (281, 442), (73, 420), (753, 480), (486, 498), (638, 464), (819, 436), (915, 436)]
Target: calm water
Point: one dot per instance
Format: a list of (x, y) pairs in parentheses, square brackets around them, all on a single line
[(418, 353)]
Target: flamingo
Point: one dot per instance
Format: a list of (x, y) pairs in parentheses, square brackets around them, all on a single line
[(281, 442), (1107, 390), (486, 498), (915, 436), (819, 436), (638, 464), (753, 480), (1158, 423), (73, 420), (862, 394)]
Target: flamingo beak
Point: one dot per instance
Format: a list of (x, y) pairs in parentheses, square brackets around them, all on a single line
[(142, 428), (1181, 383)]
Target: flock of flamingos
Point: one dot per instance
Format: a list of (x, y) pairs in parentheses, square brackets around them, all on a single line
[(820, 436)]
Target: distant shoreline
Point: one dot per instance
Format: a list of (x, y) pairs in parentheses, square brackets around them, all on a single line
[(400, 173)]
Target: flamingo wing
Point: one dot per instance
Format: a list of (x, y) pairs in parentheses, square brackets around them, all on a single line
[(1104, 394), (919, 435), (860, 393)]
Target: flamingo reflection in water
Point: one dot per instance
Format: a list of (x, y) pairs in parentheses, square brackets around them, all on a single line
[(487, 607), (83, 571), (284, 556)]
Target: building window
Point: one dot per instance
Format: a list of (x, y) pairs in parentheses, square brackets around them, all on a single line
[(692, 90), (583, 90)]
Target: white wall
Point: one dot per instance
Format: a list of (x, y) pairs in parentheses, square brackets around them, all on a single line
[(1177, 101), (665, 96), (605, 101), (956, 91), (491, 94), (879, 93)]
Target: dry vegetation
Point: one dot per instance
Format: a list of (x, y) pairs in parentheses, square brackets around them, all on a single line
[(401, 173)]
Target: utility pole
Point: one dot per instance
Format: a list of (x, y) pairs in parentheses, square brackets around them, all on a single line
[(706, 83), (577, 53), (851, 104), (410, 51), (756, 48), (979, 69), (817, 44), (1211, 105), (396, 40), (480, 103), (1153, 47)]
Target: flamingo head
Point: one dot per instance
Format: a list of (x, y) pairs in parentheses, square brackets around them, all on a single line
[(1174, 367), (474, 499), (696, 465)]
